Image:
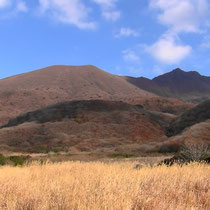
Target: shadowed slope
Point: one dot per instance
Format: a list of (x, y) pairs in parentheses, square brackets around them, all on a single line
[(193, 116), (188, 86)]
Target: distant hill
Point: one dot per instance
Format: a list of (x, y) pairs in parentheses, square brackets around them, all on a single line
[(87, 125), (188, 86)]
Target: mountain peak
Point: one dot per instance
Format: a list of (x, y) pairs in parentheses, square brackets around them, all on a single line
[(178, 70)]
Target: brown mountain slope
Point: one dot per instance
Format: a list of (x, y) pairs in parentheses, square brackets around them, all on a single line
[(196, 115), (188, 86), (84, 126), (199, 131), (54, 84), (36, 89)]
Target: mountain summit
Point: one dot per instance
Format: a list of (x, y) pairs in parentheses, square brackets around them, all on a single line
[(188, 86), (50, 85)]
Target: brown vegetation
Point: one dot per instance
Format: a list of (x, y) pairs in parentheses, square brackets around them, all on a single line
[(36, 89), (113, 186), (84, 125), (40, 88)]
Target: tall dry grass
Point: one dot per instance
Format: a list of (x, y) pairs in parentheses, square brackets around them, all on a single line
[(100, 186)]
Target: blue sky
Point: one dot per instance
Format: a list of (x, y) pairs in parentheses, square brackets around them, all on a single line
[(136, 37)]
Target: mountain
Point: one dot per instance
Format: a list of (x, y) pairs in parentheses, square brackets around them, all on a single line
[(87, 125), (36, 89), (50, 85), (83, 108), (187, 86)]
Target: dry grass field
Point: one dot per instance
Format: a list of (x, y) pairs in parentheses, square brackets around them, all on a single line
[(100, 186)]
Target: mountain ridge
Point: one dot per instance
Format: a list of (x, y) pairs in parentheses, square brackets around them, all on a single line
[(187, 86), (59, 83), (57, 107), (50, 85)]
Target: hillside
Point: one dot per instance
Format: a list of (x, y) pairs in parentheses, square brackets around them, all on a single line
[(36, 89), (196, 115), (40, 88), (92, 125), (188, 86)]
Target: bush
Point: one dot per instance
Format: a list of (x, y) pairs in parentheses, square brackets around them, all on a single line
[(169, 147), (121, 156), (18, 160), (42, 149), (194, 150), (79, 120), (46, 149), (191, 151), (2, 160)]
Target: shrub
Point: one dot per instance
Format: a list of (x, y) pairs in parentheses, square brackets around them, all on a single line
[(47, 149), (2, 160), (18, 160), (79, 120), (121, 156), (169, 147), (139, 106), (42, 149), (191, 151), (194, 150)]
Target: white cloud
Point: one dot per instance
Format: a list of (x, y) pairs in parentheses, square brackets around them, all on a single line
[(182, 15), (21, 6), (4, 3), (109, 10), (68, 11), (127, 32), (130, 55), (166, 50)]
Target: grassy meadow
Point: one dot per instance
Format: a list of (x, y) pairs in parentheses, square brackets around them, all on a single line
[(100, 186)]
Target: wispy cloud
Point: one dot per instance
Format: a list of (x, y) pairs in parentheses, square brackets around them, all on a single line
[(13, 5), (4, 3), (68, 11), (111, 15), (130, 55), (11, 8), (127, 32), (109, 10), (21, 6), (205, 44)]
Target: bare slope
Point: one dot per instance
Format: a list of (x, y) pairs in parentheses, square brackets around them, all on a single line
[(36, 89)]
